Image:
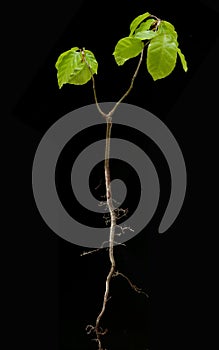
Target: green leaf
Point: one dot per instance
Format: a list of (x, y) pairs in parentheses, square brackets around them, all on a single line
[(65, 65), (135, 23), (127, 48), (161, 56), (145, 25), (80, 77), (91, 60), (72, 67), (145, 34), (183, 60), (167, 28)]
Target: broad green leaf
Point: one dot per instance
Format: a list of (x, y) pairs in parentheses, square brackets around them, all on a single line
[(127, 48), (161, 56), (65, 65), (119, 60), (81, 77), (183, 60), (73, 69), (135, 23)]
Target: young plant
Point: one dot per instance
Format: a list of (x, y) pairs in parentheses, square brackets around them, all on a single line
[(78, 66)]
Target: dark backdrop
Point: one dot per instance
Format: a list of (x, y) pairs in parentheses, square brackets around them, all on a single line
[(53, 293)]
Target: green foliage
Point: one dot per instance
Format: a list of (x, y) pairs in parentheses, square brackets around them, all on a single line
[(183, 60), (127, 48), (77, 66), (145, 26), (162, 51), (161, 57), (135, 23), (160, 38), (142, 30)]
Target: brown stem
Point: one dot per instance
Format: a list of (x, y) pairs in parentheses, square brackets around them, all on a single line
[(131, 85), (95, 95), (112, 229), (108, 117), (110, 113)]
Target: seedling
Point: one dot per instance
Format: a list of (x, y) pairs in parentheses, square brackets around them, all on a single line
[(159, 40)]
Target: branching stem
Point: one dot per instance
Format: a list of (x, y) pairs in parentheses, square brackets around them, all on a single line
[(99, 332), (131, 85), (110, 113)]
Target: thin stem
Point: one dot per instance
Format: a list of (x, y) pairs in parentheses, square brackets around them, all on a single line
[(94, 87), (112, 230), (95, 95), (99, 332), (110, 113), (131, 85)]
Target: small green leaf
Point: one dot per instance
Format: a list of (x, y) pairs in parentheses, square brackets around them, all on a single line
[(127, 48), (73, 69), (91, 60), (183, 60), (161, 56), (135, 23), (145, 25), (145, 34), (167, 28)]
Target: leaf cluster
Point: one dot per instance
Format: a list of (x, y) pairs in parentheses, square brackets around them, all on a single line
[(77, 66), (159, 37)]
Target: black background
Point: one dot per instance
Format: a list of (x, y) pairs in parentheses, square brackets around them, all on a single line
[(53, 293)]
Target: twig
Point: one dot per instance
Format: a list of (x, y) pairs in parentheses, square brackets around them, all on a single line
[(131, 85), (110, 113), (133, 286)]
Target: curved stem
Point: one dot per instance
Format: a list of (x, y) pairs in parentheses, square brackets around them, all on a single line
[(131, 85), (110, 113), (95, 95)]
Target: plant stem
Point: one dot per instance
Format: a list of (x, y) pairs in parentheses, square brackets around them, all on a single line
[(109, 200), (112, 230), (110, 113), (95, 94), (131, 85)]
